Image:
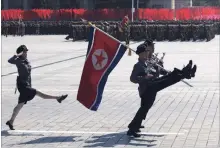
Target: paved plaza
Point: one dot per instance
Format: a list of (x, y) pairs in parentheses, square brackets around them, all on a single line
[(181, 117)]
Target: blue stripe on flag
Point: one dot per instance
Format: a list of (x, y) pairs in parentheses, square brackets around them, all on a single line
[(101, 86)]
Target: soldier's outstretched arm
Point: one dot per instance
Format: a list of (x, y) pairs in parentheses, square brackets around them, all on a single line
[(14, 59)]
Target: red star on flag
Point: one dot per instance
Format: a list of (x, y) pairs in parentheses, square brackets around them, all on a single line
[(100, 58)]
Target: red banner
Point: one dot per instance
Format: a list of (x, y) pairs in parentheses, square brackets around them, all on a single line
[(204, 13)]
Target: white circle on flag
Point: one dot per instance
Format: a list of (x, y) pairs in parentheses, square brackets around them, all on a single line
[(99, 59)]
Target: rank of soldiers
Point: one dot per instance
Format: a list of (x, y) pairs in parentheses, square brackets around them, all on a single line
[(137, 30)]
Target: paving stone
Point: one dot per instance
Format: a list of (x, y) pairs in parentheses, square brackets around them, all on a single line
[(180, 117)]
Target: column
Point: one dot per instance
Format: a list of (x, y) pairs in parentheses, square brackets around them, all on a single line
[(81, 3), (25, 4), (172, 4), (191, 3), (91, 4), (173, 7), (5, 4), (150, 3), (86, 4)]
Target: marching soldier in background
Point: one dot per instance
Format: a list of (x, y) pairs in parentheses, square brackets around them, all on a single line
[(19, 27), (117, 31), (125, 29), (38, 28), (107, 27), (22, 28), (72, 33), (5, 27), (102, 26), (139, 30)]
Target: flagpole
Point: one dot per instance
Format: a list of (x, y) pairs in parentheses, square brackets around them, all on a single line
[(89, 23), (132, 13), (85, 21)]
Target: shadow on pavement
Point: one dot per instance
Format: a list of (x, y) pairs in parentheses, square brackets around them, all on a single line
[(111, 140), (51, 139), (6, 133), (107, 140)]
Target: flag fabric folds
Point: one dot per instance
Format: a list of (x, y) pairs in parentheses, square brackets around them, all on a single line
[(103, 55)]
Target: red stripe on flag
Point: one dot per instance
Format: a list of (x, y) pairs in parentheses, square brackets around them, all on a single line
[(98, 60)]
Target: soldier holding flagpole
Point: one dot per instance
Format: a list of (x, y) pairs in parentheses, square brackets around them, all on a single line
[(150, 83)]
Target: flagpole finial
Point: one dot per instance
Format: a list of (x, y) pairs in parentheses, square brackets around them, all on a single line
[(90, 23), (129, 51), (83, 20), (87, 22)]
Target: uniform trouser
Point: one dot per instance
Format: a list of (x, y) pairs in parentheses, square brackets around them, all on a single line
[(22, 33), (127, 40), (127, 37), (70, 35), (6, 32), (19, 31), (148, 98)]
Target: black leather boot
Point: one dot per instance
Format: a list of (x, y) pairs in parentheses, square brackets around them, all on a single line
[(132, 133), (193, 71), (186, 71), (10, 125)]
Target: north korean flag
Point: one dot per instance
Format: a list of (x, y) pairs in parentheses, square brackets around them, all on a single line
[(103, 55)]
